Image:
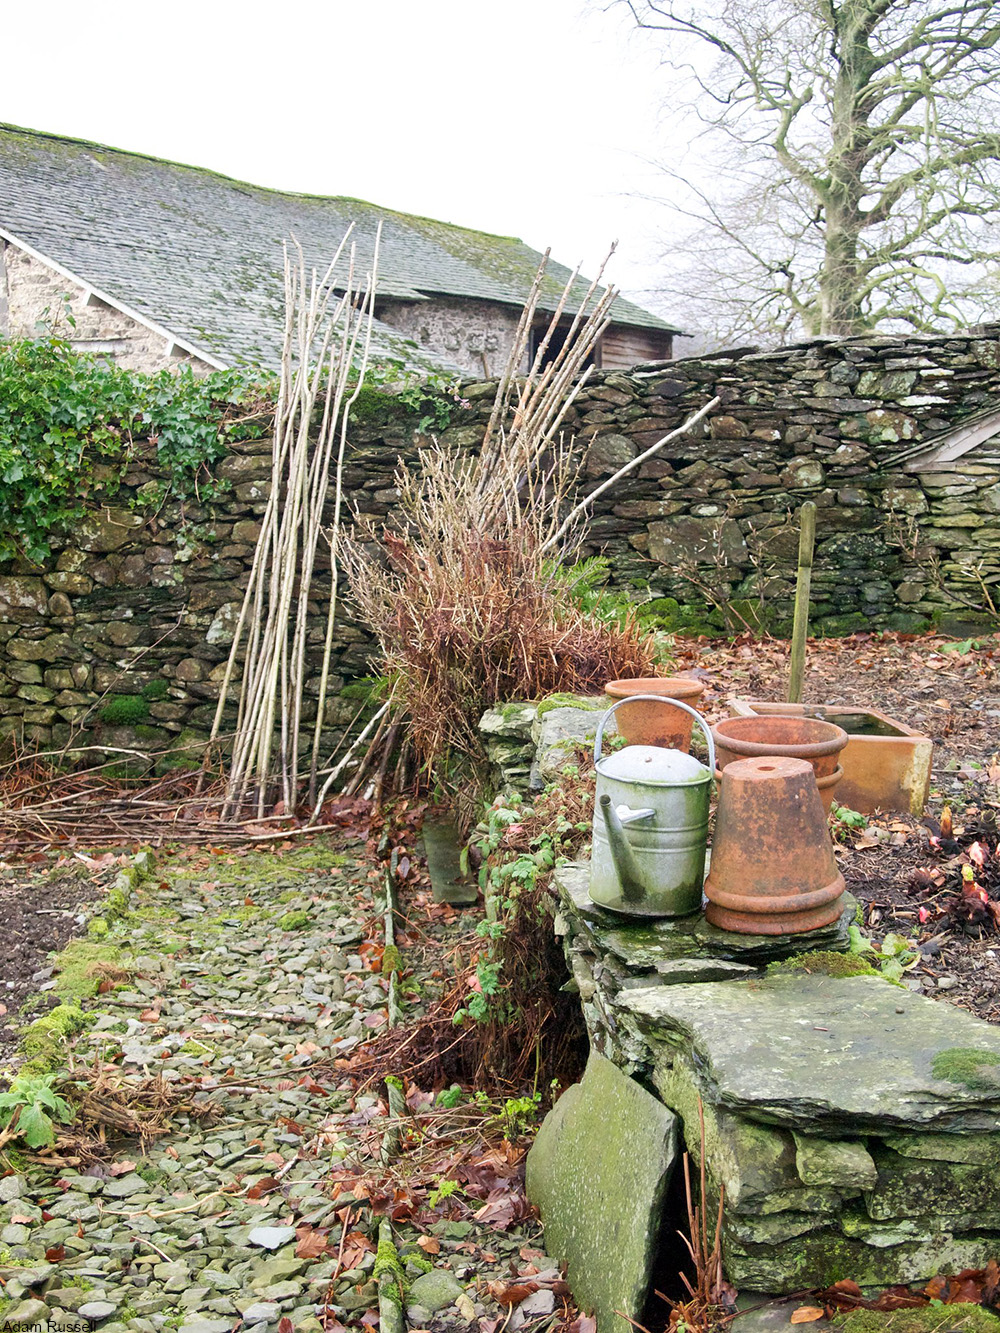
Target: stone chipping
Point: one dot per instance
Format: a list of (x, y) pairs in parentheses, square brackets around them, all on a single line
[(170, 1236)]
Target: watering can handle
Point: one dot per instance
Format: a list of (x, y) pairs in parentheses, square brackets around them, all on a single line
[(661, 699)]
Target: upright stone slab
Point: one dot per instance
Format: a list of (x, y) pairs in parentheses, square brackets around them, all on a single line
[(443, 848), (598, 1172)]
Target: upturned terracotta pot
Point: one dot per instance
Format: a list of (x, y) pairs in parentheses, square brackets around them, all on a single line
[(788, 737), (648, 723), (826, 785), (773, 870)]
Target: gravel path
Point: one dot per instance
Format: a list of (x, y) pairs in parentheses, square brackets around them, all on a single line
[(249, 974)]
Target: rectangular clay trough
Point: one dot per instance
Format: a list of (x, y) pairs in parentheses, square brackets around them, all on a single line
[(887, 765)]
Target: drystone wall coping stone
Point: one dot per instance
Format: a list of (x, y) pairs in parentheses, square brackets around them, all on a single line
[(841, 1055)]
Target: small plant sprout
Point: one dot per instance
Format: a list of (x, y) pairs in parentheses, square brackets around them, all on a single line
[(29, 1110)]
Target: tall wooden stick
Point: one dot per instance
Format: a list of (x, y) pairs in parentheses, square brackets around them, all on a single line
[(800, 624), (327, 339)]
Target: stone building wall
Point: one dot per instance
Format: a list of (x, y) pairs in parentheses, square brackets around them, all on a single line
[(34, 296), (476, 335), (135, 600)]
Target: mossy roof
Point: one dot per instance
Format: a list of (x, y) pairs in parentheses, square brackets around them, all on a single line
[(200, 254)]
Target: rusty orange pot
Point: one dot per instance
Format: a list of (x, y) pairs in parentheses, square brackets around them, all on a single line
[(648, 723), (887, 765), (789, 737), (826, 785), (773, 870)]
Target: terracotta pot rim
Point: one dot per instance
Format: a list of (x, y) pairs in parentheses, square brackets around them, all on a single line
[(725, 739), (680, 687), (781, 904), (748, 923)]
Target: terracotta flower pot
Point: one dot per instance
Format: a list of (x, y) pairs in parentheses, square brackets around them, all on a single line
[(787, 737), (773, 871), (887, 765), (647, 723), (825, 784)]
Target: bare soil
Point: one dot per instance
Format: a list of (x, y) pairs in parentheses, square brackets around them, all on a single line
[(39, 912)]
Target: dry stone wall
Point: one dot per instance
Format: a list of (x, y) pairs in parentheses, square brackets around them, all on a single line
[(137, 603)]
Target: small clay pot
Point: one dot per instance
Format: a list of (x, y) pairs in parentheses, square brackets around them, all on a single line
[(788, 737), (773, 870), (648, 723), (825, 784)]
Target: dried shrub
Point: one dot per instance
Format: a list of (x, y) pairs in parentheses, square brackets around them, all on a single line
[(467, 619), (464, 595)]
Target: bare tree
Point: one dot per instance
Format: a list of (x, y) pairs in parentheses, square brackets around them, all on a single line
[(858, 182)]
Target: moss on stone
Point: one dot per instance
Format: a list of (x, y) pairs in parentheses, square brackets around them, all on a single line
[(295, 920), (392, 960), (925, 1319), (196, 1048), (125, 710), (964, 1064), (365, 688), (388, 1267), (824, 962), (42, 1040), (553, 701), (81, 966)]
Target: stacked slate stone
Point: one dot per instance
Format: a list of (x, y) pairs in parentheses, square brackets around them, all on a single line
[(853, 1125), (139, 600), (528, 744)]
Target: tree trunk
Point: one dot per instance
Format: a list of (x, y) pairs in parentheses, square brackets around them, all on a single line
[(840, 280), (841, 315)]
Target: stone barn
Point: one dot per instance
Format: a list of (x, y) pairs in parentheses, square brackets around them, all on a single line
[(158, 264)]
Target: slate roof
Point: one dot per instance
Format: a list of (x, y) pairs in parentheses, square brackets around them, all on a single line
[(199, 254)]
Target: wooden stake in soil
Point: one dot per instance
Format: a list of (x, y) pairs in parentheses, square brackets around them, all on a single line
[(800, 625)]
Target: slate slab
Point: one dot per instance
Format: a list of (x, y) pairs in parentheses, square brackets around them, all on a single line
[(647, 946), (443, 846), (842, 1055), (599, 1193), (557, 730)]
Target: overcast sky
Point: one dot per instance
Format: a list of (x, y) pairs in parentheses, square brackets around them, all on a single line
[(533, 118)]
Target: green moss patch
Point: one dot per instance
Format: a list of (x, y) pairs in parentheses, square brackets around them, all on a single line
[(296, 920), (924, 1319), (964, 1064), (125, 710), (825, 963), (83, 965), (42, 1040)]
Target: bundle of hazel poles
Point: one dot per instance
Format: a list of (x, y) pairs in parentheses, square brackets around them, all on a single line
[(464, 592), (327, 338)]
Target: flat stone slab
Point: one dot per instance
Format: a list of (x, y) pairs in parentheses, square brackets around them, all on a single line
[(443, 847), (598, 1172), (847, 1055), (648, 946)]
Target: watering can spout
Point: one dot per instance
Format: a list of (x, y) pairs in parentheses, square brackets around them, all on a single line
[(630, 876)]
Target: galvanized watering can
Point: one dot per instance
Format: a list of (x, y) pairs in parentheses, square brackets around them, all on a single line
[(650, 824)]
